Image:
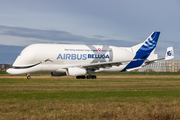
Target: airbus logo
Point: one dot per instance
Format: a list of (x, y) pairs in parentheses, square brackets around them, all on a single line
[(81, 56), (103, 51)]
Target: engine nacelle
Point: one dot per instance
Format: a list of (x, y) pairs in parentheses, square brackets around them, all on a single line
[(76, 71), (57, 74)]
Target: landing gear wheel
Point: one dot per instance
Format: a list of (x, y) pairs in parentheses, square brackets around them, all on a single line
[(28, 76), (80, 77), (88, 77), (83, 77), (93, 77)]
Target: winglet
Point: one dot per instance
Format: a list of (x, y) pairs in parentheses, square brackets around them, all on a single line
[(169, 54)]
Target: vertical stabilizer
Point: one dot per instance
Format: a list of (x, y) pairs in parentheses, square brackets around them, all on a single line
[(144, 49), (169, 54)]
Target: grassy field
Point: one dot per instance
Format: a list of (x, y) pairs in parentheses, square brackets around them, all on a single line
[(131, 98)]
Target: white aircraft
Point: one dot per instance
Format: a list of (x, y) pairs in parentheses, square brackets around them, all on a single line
[(81, 60)]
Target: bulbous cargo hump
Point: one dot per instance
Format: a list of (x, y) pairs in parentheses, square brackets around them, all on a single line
[(121, 54)]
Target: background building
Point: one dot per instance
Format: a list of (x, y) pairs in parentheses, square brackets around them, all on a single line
[(173, 66), (162, 66), (4, 66)]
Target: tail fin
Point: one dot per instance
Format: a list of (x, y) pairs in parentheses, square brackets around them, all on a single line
[(144, 49), (169, 54)]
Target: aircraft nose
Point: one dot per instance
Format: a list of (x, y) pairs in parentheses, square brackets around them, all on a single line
[(13, 71), (9, 71)]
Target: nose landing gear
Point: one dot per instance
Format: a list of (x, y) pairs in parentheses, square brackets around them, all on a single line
[(28, 76)]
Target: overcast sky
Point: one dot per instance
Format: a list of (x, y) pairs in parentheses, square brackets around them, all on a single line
[(110, 22)]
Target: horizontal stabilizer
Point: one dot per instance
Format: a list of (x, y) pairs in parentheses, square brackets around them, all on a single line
[(169, 55)]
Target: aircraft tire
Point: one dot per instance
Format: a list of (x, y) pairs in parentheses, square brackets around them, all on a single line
[(28, 77), (88, 77), (77, 77), (83, 77), (80, 77), (93, 77)]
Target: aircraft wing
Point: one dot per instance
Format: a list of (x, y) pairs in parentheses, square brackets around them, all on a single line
[(96, 66)]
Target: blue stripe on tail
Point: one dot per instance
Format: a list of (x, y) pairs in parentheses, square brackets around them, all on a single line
[(144, 51)]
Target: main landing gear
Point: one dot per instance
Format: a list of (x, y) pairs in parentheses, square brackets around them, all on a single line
[(28, 76), (88, 77)]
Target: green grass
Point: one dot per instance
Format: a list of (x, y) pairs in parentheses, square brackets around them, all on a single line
[(93, 96), (91, 90), (103, 98), (2, 72)]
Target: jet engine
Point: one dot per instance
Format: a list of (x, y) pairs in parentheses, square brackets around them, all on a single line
[(76, 71)]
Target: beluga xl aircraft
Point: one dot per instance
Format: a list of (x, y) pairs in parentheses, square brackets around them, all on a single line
[(84, 60)]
